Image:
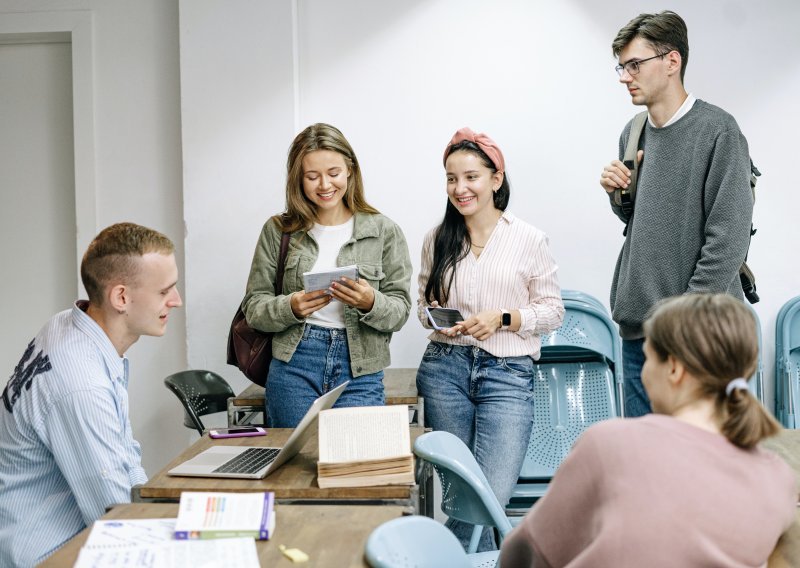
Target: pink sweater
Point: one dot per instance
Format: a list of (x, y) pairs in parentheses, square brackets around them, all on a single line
[(654, 491)]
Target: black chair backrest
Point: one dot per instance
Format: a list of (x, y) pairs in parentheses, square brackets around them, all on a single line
[(200, 392)]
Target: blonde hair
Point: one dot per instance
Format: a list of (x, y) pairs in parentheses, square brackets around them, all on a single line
[(111, 256), (300, 213), (714, 336)]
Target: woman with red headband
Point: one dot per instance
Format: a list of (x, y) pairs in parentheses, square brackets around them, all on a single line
[(477, 376)]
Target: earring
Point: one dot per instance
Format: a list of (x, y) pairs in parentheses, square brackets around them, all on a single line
[(121, 312)]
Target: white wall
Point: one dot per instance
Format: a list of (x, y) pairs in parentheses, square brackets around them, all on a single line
[(138, 177), (399, 78)]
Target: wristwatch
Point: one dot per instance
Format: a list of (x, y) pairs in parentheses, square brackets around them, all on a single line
[(505, 322)]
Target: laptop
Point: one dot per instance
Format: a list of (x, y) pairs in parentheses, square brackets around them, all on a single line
[(255, 462)]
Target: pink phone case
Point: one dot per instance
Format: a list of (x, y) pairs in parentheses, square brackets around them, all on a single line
[(231, 432)]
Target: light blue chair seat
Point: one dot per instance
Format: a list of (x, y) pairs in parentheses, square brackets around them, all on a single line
[(418, 542)]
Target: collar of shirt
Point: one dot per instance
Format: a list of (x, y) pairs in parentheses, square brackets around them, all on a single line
[(680, 113), (117, 366)]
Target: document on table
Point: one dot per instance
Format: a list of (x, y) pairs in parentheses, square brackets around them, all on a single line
[(239, 552), (313, 281), (131, 532)]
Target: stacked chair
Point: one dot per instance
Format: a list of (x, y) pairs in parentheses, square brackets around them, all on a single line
[(756, 382), (577, 382), (787, 362)]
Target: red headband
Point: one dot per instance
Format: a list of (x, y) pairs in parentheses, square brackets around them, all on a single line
[(483, 142)]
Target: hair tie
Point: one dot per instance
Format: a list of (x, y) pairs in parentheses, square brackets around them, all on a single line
[(483, 142), (739, 383)]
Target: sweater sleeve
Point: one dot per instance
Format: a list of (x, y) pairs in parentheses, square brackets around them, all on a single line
[(562, 523), (728, 205)]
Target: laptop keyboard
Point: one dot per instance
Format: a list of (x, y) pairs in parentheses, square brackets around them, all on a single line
[(249, 461)]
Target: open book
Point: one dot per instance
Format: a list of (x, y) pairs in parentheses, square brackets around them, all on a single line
[(364, 446)]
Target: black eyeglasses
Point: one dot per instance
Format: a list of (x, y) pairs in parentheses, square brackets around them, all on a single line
[(632, 67)]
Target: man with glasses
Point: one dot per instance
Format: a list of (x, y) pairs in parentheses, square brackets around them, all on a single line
[(690, 226)]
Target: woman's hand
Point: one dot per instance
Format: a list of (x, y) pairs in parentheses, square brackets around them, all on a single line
[(303, 305), (356, 293), (482, 325)]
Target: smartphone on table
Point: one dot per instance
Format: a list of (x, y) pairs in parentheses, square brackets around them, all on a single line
[(236, 432), (443, 318)]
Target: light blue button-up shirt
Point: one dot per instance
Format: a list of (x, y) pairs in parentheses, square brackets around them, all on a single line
[(66, 447)]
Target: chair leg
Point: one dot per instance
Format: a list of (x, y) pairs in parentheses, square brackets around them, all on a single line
[(476, 538)]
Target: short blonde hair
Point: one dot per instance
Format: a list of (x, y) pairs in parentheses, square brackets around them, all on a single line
[(111, 256)]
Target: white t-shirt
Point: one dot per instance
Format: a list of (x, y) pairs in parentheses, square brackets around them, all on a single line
[(330, 240)]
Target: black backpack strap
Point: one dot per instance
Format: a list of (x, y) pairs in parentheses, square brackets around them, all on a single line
[(625, 197)]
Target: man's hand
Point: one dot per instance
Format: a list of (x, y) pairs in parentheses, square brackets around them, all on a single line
[(616, 176), (303, 305)]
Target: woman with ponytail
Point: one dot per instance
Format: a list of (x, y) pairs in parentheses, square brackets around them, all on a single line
[(686, 486)]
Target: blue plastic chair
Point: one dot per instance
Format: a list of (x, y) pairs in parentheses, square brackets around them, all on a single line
[(415, 541), (756, 382), (466, 494), (577, 382), (787, 362)]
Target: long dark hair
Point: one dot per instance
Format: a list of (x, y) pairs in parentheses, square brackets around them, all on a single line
[(452, 241)]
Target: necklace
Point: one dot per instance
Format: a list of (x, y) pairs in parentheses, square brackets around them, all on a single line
[(478, 246)]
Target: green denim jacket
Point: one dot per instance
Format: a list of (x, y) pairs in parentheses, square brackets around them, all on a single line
[(379, 249)]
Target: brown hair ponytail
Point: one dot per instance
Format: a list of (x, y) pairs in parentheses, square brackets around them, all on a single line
[(714, 336)]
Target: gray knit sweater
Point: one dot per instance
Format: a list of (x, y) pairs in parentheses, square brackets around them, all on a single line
[(691, 223)]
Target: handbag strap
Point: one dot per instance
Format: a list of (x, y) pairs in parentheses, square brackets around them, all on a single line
[(282, 262)]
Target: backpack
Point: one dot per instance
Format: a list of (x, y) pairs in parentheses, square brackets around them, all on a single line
[(624, 198)]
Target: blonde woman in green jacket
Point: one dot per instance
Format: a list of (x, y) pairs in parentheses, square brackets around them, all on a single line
[(327, 337)]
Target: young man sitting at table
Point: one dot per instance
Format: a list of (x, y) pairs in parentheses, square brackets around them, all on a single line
[(66, 447)]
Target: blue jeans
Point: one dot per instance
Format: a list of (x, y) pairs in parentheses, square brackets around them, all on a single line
[(637, 403), (320, 363), (487, 402)]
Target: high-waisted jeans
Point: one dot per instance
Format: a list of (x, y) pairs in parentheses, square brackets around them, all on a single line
[(487, 402), (320, 363)]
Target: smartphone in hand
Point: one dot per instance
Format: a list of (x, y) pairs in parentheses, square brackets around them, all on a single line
[(237, 432), (443, 318)]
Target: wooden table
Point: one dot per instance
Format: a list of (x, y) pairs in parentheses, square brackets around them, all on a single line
[(400, 386), (331, 536), (294, 482), (787, 552)]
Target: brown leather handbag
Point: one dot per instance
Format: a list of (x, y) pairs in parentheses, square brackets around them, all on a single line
[(249, 349)]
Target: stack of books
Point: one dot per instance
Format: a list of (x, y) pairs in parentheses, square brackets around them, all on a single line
[(365, 446)]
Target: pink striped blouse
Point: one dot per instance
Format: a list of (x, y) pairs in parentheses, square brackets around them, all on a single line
[(515, 271)]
